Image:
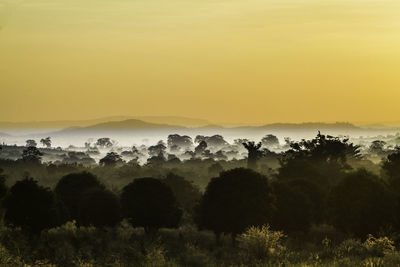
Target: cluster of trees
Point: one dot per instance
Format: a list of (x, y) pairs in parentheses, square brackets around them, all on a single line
[(315, 184), (145, 202)]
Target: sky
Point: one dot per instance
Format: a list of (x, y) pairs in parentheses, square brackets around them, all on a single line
[(227, 61)]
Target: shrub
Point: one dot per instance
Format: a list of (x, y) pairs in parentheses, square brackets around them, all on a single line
[(261, 243), (378, 247), (350, 247)]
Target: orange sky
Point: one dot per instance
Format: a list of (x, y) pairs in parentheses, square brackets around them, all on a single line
[(254, 61)]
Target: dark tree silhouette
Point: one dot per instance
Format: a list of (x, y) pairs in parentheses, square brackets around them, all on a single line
[(30, 206), (111, 159), (31, 155), (104, 142), (199, 149), (361, 204), (155, 160), (214, 141), (234, 201), (314, 195), (156, 150), (391, 168), (186, 193), (254, 154), (72, 187), (99, 208), (3, 187), (322, 160), (31, 142), (179, 141), (293, 209), (270, 141), (377, 147), (150, 203), (46, 141)]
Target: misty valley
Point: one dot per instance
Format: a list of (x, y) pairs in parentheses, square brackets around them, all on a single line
[(131, 193)]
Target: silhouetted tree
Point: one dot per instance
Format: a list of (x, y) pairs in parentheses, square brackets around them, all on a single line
[(159, 159), (149, 203), (99, 207), (234, 201), (377, 147), (199, 149), (111, 159), (314, 195), (214, 141), (72, 187), (30, 206), (254, 154), (31, 142), (31, 155), (3, 187), (180, 141), (391, 168), (157, 149), (361, 204), (322, 160), (293, 209), (74, 157), (270, 140), (104, 142), (186, 193), (46, 141)]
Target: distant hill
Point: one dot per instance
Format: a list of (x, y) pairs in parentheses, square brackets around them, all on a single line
[(311, 125), (171, 120), (130, 124)]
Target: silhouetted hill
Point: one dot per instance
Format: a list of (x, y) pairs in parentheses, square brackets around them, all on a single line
[(311, 125), (131, 124), (170, 120)]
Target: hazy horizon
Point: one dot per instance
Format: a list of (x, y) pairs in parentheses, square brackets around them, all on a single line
[(225, 61)]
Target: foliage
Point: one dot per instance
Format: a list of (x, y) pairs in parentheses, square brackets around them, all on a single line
[(361, 204), (260, 243), (234, 201), (31, 155), (111, 159), (187, 194), (72, 187), (30, 206), (293, 209), (99, 208), (149, 203)]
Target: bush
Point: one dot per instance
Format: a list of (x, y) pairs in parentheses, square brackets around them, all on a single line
[(378, 247), (260, 243), (350, 248)]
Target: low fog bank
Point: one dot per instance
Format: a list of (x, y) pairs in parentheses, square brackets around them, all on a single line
[(127, 138)]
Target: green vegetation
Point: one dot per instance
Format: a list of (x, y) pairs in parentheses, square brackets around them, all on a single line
[(309, 205)]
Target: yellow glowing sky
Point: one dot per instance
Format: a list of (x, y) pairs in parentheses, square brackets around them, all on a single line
[(254, 61)]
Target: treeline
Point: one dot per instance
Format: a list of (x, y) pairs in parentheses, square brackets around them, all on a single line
[(316, 184)]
